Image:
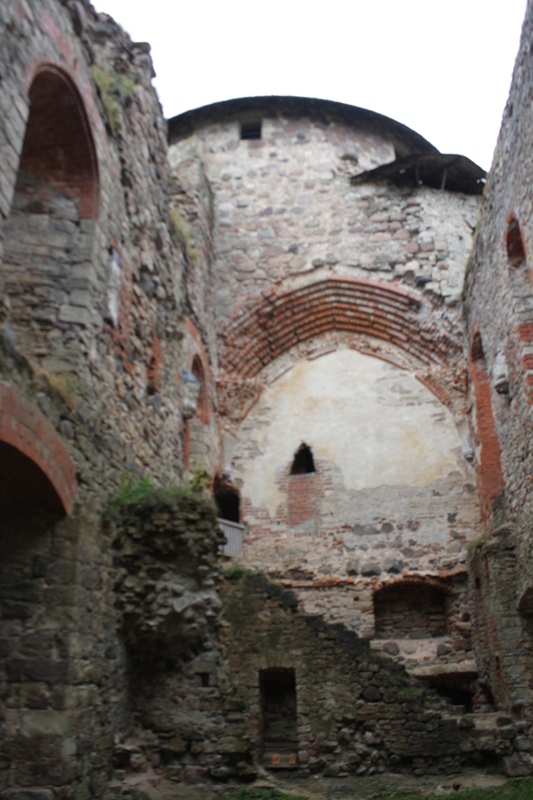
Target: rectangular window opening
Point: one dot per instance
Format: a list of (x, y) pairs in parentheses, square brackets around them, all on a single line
[(277, 689), (251, 130)]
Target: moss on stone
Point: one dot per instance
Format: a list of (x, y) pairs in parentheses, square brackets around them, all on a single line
[(181, 232), (140, 494), (116, 92)]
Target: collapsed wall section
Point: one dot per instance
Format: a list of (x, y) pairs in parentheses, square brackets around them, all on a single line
[(355, 710)]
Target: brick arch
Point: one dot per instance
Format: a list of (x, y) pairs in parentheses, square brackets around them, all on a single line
[(280, 319), (414, 580), (22, 426), (51, 224), (58, 150)]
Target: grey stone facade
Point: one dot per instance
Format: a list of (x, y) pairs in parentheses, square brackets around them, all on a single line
[(268, 306)]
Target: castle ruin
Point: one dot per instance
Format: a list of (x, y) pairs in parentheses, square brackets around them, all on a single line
[(266, 380)]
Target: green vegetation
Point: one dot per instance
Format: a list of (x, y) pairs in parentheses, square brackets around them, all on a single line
[(235, 572), (116, 92), (67, 386), (181, 232), (520, 789), (513, 790), (260, 794), (144, 492), (131, 492), (197, 480), (480, 540)]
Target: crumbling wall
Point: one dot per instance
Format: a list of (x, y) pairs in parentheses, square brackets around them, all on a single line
[(165, 552), (91, 373), (498, 320), (358, 712)]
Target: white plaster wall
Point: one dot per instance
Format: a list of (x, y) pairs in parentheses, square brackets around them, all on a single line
[(374, 421)]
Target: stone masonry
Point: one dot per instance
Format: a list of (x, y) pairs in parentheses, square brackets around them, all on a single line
[(293, 308)]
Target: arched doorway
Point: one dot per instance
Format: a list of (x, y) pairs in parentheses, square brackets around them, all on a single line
[(37, 483)]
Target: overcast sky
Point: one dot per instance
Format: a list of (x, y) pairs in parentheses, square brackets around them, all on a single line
[(442, 68)]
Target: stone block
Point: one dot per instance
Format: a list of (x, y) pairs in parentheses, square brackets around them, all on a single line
[(44, 722), (370, 569), (391, 648), (74, 314)]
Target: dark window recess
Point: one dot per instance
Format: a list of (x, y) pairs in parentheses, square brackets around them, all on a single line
[(251, 130), (515, 245), (227, 500), (478, 353), (303, 461), (458, 689), (278, 701), (228, 505)]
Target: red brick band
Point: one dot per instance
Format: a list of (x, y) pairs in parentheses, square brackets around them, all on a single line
[(24, 427), (278, 320), (490, 471)]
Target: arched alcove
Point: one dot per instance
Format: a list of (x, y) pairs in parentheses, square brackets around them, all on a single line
[(32, 591), (197, 370), (489, 457), (514, 243), (197, 441), (49, 233)]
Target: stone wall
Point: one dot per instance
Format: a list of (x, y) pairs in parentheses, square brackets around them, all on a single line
[(357, 712), (314, 305), (286, 208), (498, 317), (91, 361), (339, 328), (184, 720)]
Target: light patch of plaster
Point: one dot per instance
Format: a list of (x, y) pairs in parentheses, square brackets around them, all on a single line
[(376, 422)]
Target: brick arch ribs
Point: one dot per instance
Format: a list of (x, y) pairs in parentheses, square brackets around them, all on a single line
[(22, 426), (279, 320)]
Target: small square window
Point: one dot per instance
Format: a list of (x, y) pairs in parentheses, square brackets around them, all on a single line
[(251, 130)]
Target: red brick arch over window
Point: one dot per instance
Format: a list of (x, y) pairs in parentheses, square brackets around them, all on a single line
[(22, 426), (58, 150), (278, 320)]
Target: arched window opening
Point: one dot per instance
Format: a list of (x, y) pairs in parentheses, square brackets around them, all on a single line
[(478, 353), (303, 462), (227, 500), (407, 610), (516, 253), (48, 235), (197, 370)]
